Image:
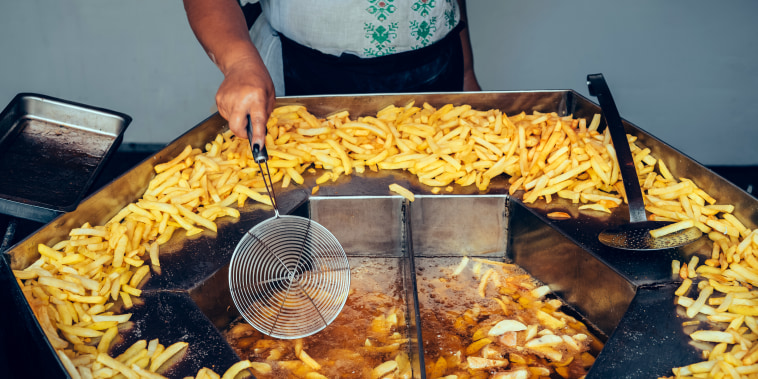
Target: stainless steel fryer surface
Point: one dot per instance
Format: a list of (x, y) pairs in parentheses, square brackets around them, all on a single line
[(615, 293)]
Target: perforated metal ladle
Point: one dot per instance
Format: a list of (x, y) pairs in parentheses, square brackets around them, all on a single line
[(636, 234), (289, 276)]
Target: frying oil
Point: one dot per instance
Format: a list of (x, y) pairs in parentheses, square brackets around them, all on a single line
[(354, 343)]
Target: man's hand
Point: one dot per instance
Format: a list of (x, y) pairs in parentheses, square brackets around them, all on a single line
[(247, 89)]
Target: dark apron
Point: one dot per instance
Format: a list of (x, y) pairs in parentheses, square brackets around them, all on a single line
[(435, 68)]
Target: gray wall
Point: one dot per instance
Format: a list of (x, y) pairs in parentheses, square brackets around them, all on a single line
[(684, 71), (138, 57)]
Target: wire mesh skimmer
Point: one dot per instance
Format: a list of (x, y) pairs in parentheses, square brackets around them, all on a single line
[(289, 276)]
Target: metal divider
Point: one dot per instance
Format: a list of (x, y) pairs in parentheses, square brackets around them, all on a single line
[(377, 227), (448, 227), (410, 285)]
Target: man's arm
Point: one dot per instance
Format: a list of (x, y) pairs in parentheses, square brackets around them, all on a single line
[(247, 88), (469, 78)]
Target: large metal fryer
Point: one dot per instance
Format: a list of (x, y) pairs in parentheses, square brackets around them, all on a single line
[(627, 297)]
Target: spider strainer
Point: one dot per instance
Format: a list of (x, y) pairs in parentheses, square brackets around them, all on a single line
[(289, 276)]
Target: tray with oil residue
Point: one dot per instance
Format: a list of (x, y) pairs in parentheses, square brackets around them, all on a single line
[(51, 151)]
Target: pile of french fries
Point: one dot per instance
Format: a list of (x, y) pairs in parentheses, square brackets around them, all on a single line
[(512, 330), (720, 292), (80, 287), (543, 154)]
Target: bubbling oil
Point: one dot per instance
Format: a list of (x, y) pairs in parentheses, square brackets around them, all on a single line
[(457, 311), (370, 330), (459, 304)]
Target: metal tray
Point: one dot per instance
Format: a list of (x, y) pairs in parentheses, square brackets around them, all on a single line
[(627, 297), (51, 150)]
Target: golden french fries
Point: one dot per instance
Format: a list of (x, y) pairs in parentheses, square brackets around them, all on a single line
[(99, 265), (724, 281), (235, 369), (402, 191), (558, 216), (671, 228), (514, 325)]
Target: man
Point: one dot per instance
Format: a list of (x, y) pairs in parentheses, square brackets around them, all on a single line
[(331, 47)]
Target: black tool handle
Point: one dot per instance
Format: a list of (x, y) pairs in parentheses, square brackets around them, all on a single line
[(599, 88), (260, 155)]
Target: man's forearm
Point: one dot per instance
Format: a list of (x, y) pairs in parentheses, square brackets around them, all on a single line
[(470, 81), (220, 27), (468, 60), (247, 89)]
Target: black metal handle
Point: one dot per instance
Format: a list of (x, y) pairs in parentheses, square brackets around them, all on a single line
[(259, 154), (599, 88)]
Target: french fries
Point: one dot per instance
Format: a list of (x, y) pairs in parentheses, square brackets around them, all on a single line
[(77, 284), (512, 325), (402, 191), (723, 285), (671, 228)]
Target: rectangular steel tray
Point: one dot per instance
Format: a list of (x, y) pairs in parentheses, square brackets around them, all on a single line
[(51, 151), (627, 297)]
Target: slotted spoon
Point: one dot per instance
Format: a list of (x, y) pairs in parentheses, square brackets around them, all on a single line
[(634, 235)]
